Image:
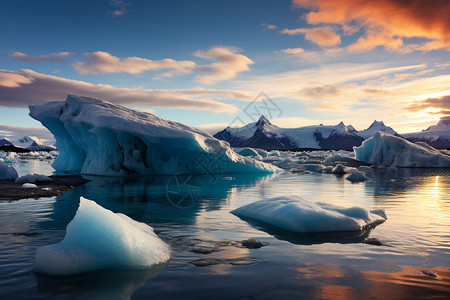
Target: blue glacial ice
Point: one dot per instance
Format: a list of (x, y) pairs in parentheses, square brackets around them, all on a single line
[(100, 138), (295, 214), (99, 239), (7, 172), (388, 150)]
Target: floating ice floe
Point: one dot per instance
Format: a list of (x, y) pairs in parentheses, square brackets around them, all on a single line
[(98, 239), (33, 178), (295, 214), (7, 172), (388, 150), (339, 169), (100, 138), (29, 186), (357, 176)]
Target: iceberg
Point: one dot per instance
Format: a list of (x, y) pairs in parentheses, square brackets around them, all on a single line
[(99, 239), (295, 214), (388, 150), (33, 178), (357, 176), (7, 172), (96, 137)]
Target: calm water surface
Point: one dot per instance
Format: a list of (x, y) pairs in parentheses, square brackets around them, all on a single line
[(189, 212)]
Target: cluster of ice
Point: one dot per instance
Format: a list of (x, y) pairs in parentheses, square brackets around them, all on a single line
[(357, 176), (248, 152), (100, 138), (293, 213), (33, 178), (7, 172), (388, 150), (97, 239)]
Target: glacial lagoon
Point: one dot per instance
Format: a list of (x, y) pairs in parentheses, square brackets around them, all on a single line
[(208, 260)]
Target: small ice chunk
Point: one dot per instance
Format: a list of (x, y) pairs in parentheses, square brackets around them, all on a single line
[(33, 178), (7, 172), (248, 152), (295, 214), (357, 176), (29, 186), (97, 239), (339, 169)]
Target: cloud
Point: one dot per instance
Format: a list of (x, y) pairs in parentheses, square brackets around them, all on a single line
[(24, 87), (323, 36), (269, 26), (101, 62), (440, 104), (386, 21), (293, 50), (120, 8), (52, 57), (229, 64)]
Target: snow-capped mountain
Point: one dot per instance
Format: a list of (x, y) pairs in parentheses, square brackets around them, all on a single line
[(5, 142), (437, 136), (374, 127), (32, 143), (265, 135)]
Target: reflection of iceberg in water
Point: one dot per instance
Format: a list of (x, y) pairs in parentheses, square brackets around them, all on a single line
[(385, 182), (343, 237), (106, 284), (153, 199)]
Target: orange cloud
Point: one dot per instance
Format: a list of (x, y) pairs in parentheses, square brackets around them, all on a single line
[(441, 104), (101, 62), (322, 36), (229, 64), (293, 50), (386, 20)]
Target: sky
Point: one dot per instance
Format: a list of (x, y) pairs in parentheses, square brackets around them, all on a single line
[(209, 63)]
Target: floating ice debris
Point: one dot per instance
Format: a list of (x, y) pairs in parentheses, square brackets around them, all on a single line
[(7, 172), (357, 176), (253, 244), (241, 261), (97, 239), (33, 178), (100, 138), (432, 274), (373, 241), (298, 215), (388, 150), (29, 186), (339, 169)]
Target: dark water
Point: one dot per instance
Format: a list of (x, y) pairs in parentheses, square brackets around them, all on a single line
[(194, 212)]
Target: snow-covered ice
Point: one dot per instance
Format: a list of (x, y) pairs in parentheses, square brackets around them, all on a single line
[(357, 176), (7, 172), (100, 138), (29, 186), (33, 178), (97, 239), (388, 150), (298, 215)]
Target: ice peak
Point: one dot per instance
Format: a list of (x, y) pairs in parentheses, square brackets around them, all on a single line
[(262, 120), (377, 124)]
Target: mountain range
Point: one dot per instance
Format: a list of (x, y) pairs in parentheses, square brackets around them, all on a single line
[(265, 135), (27, 142)]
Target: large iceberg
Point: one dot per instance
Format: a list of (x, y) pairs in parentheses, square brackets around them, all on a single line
[(100, 138), (295, 214), (7, 172), (388, 150), (98, 239)]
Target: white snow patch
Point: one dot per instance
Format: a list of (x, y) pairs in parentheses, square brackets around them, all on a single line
[(29, 186)]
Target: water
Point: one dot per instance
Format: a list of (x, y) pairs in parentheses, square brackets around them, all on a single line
[(195, 211)]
